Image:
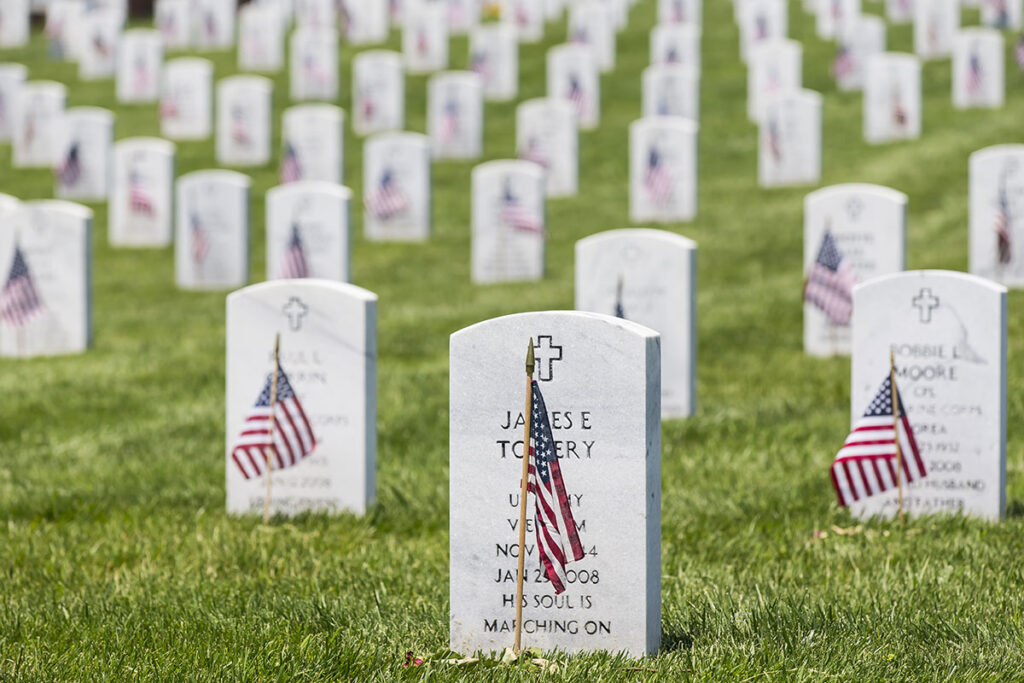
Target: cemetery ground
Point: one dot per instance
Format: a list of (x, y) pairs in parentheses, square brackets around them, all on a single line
[(119, 561)]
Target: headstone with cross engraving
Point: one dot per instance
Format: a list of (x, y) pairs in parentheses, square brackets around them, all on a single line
[(572, 75), (14, 23), (314, 64), (508, 221), (243, 120), (140, 204), (671, 90), (366, 21), (312, 143), (378, 92), (597, 415), (789, 140), (592, 24), (761, 21), (546, 134), (83, 142), (261, 30), (38, 112), (936, 23), (140, 56), (948, 333), (858, 40), (396, 187), (1002, 14), (892, 98), (425, 37), (682, 12), (45, 247), (662, 169), (775, 67), (211, 249), (186, 99), (852, 233), (978, 71), (676, 44), (996, 203), (455, 107), (325, 425), (649, 277), (308, 234), (835, 16), (12, 78), (494, 56), (173, 19)]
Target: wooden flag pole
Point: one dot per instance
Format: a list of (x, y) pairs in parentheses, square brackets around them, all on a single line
[(522, 496), (273, 423), (895, 396)]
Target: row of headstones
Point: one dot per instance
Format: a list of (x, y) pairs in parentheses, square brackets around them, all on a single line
[(602, 379)]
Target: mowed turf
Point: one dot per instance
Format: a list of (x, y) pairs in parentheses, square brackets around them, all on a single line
[(117, 560)]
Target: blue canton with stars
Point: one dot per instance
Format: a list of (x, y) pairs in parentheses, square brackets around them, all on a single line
[(543, 441), (284, 389), (829, 255), (881, 405)]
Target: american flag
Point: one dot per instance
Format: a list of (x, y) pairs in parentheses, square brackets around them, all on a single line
[(1003, 224), (678, 12), (367, 106), (1002, 14), (138, 199), (295, 265), (166, 26), (534, 151), (844, 65), (450, 121), (576, 95), (315, 72), (899, 114), (70, 169), (141, 74), (481, 64), (866, 464), (292, 439), (347, 19), (517, 216), (387, 200), (658, 179), (291, 169), (558, 541), (19, 300), (829, 285), (672, 55), (169, 107), (239, 129), (200, 242), (210, 25), (579, 35), (975, 75), (760, 27), (1018, 52), (837, 10), (422, 43), (100, 45)]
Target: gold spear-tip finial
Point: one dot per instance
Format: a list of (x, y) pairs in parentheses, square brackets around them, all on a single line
[(530, 364)]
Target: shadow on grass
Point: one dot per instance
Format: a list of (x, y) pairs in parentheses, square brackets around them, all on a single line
[(675, 639)]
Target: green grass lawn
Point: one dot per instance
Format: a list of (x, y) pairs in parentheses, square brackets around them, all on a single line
[(117, 560)]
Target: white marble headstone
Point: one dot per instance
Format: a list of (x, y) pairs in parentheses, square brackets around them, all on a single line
[(1002, 14), (892, 97), (648, 277), (679, 12), (12, 78), (455, 115), (761, 20), (775, 67), (866, 226), (996, 199), (676, 44), (378, 92), (366, 21), (859, 40), (835, 16), (214, 24), (978, 70), (948, 333), (789, 140), (63, 19), (494, 56), (312, 143), (527, 16), (141, 205), (572, 75), (899, 11), (329, 355), (140, 55), (308, 234), (97, 39), (425, 37), (173, 19), (316, 13), (936, 23), (396, 187), (463, 16), (314, 64), (14, 23), (261, 31), (600, 381), (186, 99), (38, 112), (83, 142), (211, 247), (546, 134), (53, 239), (662, 169), (591, 24), (243, 120), (508, 221)]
